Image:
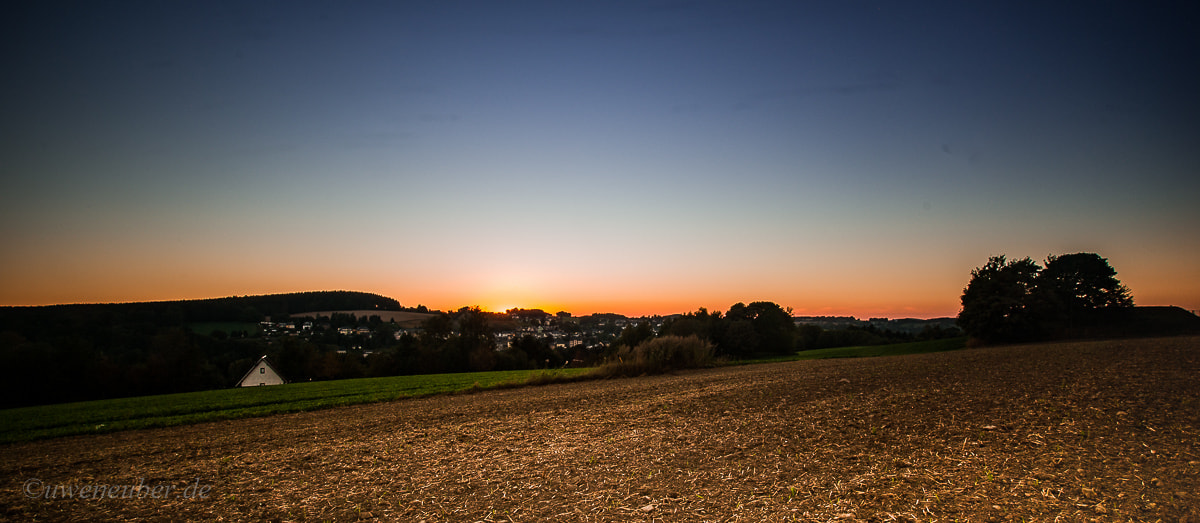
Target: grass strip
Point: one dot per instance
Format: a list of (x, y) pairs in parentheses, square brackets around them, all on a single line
[(895, 349), (865, 351), (92, 417)]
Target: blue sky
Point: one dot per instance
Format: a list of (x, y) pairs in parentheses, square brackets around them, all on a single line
[(638, 157)]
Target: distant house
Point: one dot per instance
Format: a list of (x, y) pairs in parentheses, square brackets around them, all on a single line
[(262, 373)]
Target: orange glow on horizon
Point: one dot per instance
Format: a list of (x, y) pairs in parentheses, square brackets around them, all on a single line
[(829, 290), (813, 306), (639, 308)]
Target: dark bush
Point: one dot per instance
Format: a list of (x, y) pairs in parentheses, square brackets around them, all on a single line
[(658, 356)]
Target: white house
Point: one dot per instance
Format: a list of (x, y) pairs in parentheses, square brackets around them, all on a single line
[(262, 373)]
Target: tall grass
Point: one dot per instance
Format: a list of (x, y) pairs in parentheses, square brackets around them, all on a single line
[(658, 356)]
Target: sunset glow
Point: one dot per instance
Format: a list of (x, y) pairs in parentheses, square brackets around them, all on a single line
[(627, 157)]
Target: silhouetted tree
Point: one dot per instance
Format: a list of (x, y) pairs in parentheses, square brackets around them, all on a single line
[(295, 359), (737, 339), (773, 327), (996, 304), (700, 323), (1019, 300), (634, 335), (536, 351), (807, 336), (1079, 282)]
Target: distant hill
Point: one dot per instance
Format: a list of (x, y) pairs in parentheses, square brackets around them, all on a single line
[(182, 312)]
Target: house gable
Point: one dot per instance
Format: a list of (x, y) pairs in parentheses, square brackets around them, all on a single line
[(262, 373)]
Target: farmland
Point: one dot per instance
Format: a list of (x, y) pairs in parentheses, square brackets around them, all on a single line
[(194, 407), (1103, 431), (165, 410)]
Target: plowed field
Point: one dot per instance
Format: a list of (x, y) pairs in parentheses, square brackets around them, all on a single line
[(1104, 431)]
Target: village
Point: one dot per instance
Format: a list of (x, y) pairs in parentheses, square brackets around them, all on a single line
[(359, 343), (367, 334)]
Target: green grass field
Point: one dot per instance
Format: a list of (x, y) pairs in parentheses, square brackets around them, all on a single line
[(91, 417), (897, 349), (867, 351)]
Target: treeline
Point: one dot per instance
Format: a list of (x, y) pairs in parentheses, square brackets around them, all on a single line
[(1072, 296), (83, 352), (462, 341), (764, 328), (810, 337), (64, 353), (122, 360), (74, 353)]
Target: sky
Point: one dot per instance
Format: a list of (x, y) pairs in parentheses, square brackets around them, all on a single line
[(642, 157)]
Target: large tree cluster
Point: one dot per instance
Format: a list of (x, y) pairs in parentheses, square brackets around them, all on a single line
[(1019, 300), (761, 327)]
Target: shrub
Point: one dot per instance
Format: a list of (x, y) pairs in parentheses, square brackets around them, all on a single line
[(659, 355)]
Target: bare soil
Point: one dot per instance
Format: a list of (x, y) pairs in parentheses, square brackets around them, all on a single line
[(1093, 431)]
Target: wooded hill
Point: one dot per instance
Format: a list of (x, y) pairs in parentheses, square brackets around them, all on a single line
[(59, 353), (31, 321)]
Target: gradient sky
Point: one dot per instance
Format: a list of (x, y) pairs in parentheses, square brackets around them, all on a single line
[(848, 158)]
